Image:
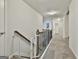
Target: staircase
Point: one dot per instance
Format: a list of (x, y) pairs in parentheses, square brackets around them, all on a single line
[(21, 47), (26, 49)]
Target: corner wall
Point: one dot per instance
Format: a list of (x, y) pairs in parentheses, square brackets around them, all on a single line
[(73, 26)]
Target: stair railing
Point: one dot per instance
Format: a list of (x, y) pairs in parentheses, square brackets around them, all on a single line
[(20, 44), (41, 41), (36, 45)]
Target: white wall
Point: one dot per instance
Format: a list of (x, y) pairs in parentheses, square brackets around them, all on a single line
[(1, 15), (2, 27), (58, 26), (73, 18), (23, 18), (66, 26)]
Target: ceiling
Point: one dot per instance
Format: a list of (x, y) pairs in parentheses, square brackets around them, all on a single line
[(46, 6)]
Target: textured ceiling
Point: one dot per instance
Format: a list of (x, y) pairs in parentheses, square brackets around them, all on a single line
[(44, 6)]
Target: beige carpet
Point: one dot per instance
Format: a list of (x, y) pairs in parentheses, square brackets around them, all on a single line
[(59, 49)]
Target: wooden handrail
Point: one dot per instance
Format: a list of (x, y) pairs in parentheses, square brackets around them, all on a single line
[(22, 36)]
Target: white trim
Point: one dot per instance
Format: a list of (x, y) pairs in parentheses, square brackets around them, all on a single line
[(73, 52), (46, 49)]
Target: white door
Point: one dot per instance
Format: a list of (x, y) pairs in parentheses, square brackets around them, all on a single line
[(2, 28)]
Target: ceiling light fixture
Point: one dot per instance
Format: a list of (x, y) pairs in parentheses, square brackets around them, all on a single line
[(52, 13)]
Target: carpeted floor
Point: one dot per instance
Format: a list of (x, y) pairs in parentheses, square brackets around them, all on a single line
[(59, 49)]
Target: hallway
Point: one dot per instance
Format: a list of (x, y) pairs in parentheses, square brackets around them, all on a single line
[(38, 29), (59, 49)]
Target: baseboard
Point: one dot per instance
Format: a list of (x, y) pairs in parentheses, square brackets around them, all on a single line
[(74, 53)]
